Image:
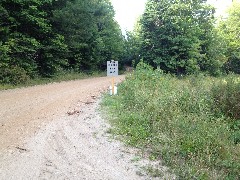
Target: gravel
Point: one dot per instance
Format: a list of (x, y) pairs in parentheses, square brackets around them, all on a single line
[(55, 131)]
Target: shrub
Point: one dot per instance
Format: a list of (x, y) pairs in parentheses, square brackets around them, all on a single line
[(177, 120), (226, 94), (14, 75)]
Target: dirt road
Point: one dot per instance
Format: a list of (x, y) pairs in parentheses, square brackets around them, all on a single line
[(55, 132), (23, 111)]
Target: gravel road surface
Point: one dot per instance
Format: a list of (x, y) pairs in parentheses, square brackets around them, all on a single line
[(55, 131)]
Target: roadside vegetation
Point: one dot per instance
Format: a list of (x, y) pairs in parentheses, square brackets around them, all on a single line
[(192, 123), (59, 77), (181, 104)]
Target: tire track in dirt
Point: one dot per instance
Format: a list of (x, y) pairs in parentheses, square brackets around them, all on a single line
[(40, 140), (23, 111), (76, 147)]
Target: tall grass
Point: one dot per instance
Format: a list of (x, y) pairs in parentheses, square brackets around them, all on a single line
[(191, 123)]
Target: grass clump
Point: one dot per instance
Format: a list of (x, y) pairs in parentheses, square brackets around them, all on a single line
[(191, 123), (14, 75)]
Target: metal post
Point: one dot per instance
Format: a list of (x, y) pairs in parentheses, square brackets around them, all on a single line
[(113, 86)]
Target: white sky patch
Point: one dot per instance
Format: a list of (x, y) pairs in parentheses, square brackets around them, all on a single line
[(220, 5), (128, 11)]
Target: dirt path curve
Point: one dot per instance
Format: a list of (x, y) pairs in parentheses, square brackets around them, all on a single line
[(23, 111), (55, 131)]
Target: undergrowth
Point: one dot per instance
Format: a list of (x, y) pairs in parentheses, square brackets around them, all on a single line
[(191, 123), (63, 76)]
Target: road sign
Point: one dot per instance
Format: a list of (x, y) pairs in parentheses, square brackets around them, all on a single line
[(112, 68)]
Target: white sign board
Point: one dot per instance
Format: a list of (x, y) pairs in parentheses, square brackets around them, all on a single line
[(112, 68)]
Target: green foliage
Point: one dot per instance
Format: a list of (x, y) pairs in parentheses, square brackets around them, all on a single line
[(92, 35), (179, 37), (14, 75), (177, 120), (22, 52), (45, 37), (10, 80), (215, 57), (226, 95), (132, 45), (229, 28), (29, 38)]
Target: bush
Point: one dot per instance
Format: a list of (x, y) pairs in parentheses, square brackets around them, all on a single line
[(14, 75), (178, 120), (232, 65), (226, 94)]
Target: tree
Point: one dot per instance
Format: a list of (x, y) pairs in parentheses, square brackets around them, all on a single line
[(29, 39), (229, 29), (132, 45), (42, 37), (90, 32), (177, 35)]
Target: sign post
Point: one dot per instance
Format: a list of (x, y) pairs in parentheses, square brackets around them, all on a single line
[(112, 71)]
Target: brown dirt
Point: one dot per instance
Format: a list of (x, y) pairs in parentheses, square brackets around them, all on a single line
[(55, 131), (23, 111)]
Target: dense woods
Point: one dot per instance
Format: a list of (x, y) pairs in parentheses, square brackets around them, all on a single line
[(173, 106), (181, 103), (185, 37), (43, 37), (39, 38)]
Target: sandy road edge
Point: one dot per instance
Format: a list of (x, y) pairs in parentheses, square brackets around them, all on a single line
[(24, 111), (75, 146)]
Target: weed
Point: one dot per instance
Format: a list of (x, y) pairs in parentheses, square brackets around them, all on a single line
[(191, 123), (154, 172)]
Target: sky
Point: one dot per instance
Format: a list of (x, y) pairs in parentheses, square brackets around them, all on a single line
[(127, 11), (220, 5)]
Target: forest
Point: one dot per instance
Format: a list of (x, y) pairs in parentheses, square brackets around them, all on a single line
[(185, 37), (39, 38), (179, 106)]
